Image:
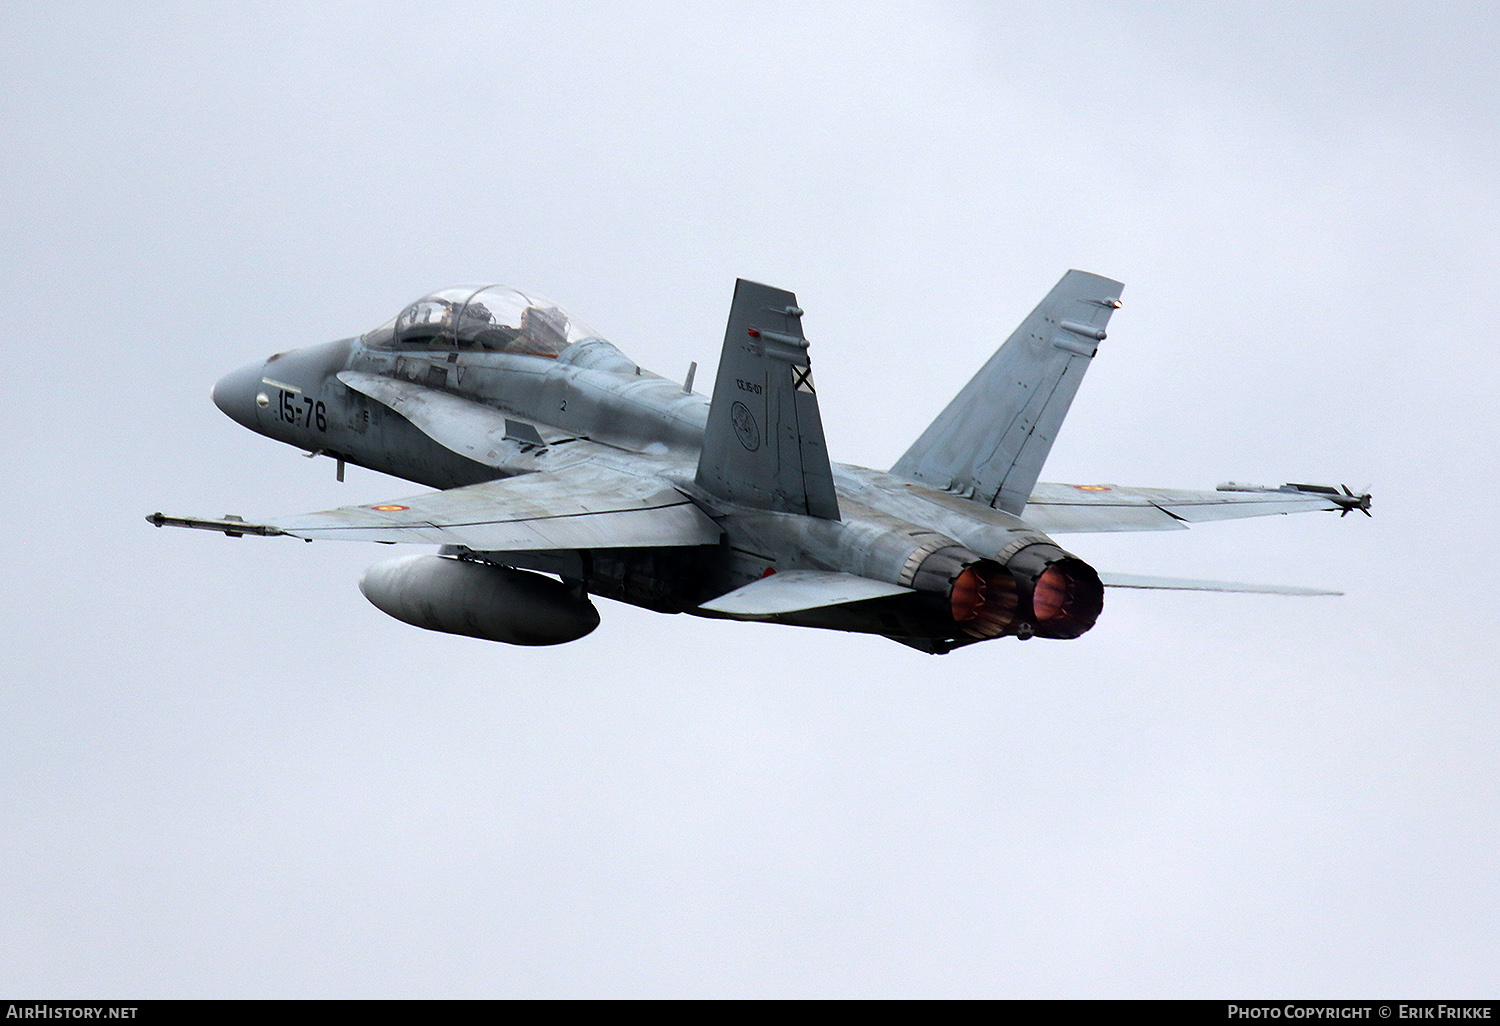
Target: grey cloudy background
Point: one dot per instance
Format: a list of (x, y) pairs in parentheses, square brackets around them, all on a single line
[(223, 773)]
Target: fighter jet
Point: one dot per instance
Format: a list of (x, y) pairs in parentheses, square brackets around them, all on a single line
[(566, 471)]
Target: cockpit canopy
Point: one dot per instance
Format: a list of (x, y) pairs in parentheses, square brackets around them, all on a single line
[(487, 317)]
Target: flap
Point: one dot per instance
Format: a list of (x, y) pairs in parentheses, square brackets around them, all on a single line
[(584, 507), (793, 590)]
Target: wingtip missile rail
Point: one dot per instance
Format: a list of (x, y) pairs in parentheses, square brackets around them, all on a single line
[(1343, 497)]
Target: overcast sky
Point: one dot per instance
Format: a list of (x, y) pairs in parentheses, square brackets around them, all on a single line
[(224, 773)]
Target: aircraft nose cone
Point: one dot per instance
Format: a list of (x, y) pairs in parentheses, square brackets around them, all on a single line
[(238, 393)]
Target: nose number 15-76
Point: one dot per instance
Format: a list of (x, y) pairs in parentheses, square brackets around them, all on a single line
[(305, 415)]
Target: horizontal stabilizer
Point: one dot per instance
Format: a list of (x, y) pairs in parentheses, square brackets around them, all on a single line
[(794, 590), (1187, 584)]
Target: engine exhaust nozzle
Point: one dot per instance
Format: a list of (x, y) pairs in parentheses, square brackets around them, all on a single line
[(1064, 594), (983, 598)]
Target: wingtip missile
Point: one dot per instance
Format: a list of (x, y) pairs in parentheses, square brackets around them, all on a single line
[(229, 524)]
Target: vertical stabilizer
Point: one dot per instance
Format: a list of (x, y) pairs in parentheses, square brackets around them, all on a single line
[(991, 441), (763, 446)]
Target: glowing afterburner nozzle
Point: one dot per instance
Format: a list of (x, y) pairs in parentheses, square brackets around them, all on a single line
[(1051, 594), (1066, 599), (984, 600)]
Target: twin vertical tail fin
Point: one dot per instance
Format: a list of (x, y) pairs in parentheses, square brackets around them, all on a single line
[(991, 441), (764, 446)]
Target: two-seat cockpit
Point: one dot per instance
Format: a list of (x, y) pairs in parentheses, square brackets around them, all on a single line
[(489, 318)]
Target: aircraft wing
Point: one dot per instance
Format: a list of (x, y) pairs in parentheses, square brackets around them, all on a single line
[(586, 506), (1078, 509)]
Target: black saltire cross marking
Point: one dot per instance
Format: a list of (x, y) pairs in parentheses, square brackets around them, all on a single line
[(802, 379)]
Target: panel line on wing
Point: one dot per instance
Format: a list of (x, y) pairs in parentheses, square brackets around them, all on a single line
[(436, 525)]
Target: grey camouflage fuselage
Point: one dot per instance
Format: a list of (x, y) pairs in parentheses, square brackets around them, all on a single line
[(593, 402)]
